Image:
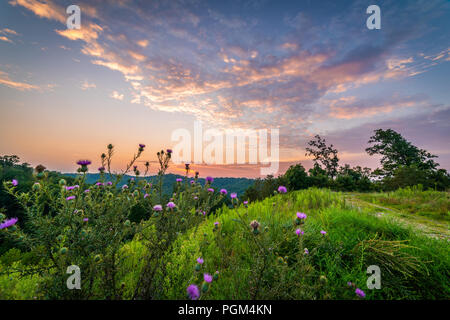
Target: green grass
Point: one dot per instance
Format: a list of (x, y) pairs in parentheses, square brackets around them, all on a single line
[(414, 201), (272, 264), (413, 266)]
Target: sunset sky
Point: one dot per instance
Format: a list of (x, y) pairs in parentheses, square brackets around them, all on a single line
[(138, 70)]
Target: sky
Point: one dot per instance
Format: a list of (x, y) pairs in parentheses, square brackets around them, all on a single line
[(137, 71)]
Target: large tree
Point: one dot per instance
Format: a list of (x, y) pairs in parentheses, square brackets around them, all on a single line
[(324, 155), (398, 152)]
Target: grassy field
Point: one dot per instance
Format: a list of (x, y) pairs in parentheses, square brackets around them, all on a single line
[(276, 262)]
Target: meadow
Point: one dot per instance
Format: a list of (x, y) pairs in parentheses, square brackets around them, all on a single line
[(308, 244)]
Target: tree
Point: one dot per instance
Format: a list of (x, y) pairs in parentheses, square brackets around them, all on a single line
[(296, 177), (397, 152), (324, 155)]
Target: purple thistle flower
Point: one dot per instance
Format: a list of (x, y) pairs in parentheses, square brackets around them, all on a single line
[(299, 232), (87, 191), (83, 162), (223, 191), (99, 184), (193, 292), (101, 169), (200, 261), (179, 179), (233, 195), (245, 202), (216, 223), (301, 215), (210, 190), (124, 187), (349, 284), (192, 181), (14, 182), (306, 251), (86, 219), (169, 150), (207, 277), (323, 232), (171, 205), (8, 223), (142, 146), (157, 207), (70, 198), (209, 179), (195, 198), (282, 189), (146, 195), (109, 183), (360, 293)]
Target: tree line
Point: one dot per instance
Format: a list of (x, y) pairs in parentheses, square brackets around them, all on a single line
[(402, 164)]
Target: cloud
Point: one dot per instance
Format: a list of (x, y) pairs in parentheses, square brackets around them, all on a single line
[(6, 81), (175, 57), (86, 85), (116, 95)]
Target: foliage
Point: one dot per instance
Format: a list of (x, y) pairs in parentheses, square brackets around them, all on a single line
[(324, 155), (396, 151)]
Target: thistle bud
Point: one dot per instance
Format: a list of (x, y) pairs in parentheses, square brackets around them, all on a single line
[(97, 258), (62, 182), (63, 250), (36, 186)]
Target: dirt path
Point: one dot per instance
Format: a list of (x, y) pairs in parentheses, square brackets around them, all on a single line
[(427, 226)]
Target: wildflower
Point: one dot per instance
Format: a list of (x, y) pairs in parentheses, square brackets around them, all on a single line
[(192, 181), (216, 224), (245, 202), (233, 195), (360, 293), (207, 277), (210, 190), (323, 232), (8, 223), (124, 187), (223, 191), (200, 261), (195, 198), (301, 215), (209, 179), (146, 195), (14, 182), (282, 189), (86, 219), (157, 207), (171, 205), (306, 251), (169, 151), (193, 292), (255, 225), (70, 198), (36, 186), (350, 284), (186, 166), (87, 191), (299, 232), (101, 169), (109, 183), (141, 147), (83, 164), (179, 179), (99, 184)]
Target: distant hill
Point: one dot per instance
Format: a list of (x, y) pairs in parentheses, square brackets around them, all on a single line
[(238, 185)]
